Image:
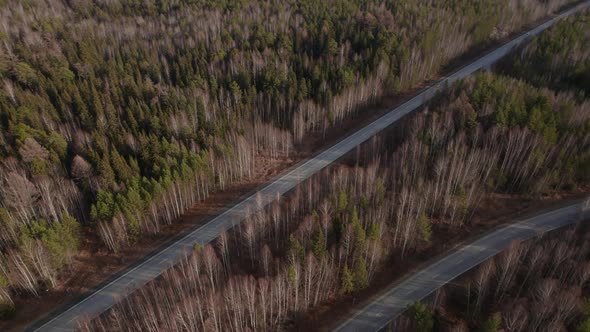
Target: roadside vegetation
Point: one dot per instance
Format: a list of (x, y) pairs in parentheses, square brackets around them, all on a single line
[(557, 59), (116, 117), (537, 285), (486, 134)]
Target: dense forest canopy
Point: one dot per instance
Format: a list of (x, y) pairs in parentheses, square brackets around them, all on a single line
[(119, 115), (384, 207)]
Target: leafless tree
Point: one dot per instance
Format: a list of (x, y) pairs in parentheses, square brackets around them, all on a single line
[(31, 150), (515, 318)]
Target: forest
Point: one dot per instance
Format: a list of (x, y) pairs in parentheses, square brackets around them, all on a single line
[(557, 59), (490, 133), (538, 285), (117, 116)]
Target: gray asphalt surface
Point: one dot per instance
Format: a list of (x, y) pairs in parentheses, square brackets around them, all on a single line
[(378, 314), (108, 295)]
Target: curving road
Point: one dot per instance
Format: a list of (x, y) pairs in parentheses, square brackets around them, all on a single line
[(379, 313), (107, 296)]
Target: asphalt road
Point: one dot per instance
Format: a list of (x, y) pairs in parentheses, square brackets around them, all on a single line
[(379, 313), (108, 295)]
